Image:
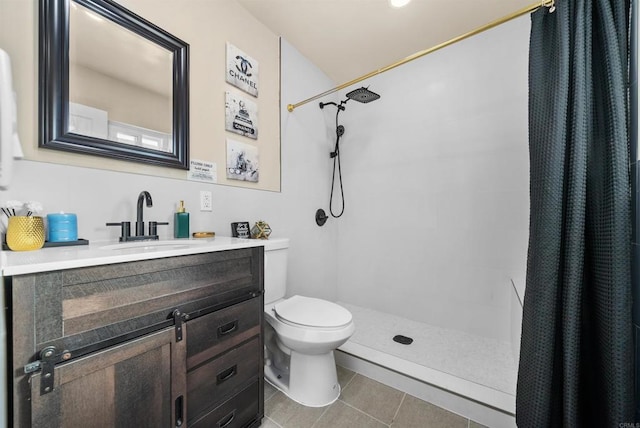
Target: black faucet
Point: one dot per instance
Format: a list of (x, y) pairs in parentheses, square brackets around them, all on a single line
[(139, 217), (125, 226)]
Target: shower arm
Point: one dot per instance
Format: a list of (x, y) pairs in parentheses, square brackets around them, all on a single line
[(340, 106)]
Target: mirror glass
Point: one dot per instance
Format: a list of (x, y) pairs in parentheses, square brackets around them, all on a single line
[(112, 84), (120, 84)]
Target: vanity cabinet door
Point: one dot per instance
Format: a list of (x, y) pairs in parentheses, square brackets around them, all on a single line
[(141, 383)]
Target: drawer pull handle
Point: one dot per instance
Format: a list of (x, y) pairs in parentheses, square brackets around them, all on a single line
[(227, 328), (227, 419), (226, 374)]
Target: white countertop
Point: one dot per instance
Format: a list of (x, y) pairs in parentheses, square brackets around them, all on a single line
[(103, 253)]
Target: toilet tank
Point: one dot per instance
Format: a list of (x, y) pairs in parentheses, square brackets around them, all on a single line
[(275, 269)]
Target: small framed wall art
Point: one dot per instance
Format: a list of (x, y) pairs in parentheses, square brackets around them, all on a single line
[(242, 70), (241, 115), (242, 161)]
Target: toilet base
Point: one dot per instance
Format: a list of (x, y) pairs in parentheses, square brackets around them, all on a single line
[(312, 379)]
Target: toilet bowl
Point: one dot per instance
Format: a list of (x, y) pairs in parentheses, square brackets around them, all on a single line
[(301, 334)]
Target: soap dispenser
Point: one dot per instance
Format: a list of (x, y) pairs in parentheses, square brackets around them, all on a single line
[(181, 222)]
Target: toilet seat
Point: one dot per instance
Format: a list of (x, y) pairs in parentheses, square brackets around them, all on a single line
[(311, 312)]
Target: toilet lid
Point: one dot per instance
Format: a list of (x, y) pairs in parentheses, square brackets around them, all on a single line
[(312, 312)]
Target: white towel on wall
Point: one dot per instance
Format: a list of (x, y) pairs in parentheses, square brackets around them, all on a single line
[(10, 147)]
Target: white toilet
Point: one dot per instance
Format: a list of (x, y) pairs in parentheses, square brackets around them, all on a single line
[(300, 335)]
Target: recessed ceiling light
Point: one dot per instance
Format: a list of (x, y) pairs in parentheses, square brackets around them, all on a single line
[(398, 3)]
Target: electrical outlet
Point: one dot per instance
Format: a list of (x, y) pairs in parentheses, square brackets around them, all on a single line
[(206, 202)]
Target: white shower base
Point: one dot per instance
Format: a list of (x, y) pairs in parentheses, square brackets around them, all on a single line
[(475, 368)]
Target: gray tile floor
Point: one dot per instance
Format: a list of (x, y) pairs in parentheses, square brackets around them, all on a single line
[(364, 403)]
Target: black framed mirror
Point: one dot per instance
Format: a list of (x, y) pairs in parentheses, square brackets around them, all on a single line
[(112, 84)]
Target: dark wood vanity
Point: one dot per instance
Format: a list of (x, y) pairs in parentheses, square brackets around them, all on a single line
[(166, 342)]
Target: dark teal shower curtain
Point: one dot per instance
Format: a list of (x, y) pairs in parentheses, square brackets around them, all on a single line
[(576, 360)]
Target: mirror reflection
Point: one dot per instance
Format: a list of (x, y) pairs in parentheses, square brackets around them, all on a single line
[(120, 84), (112, 84)]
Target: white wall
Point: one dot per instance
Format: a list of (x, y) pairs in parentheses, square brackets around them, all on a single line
[(436, 186), (306, 178)]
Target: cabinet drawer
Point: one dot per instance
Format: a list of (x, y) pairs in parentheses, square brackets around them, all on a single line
[(211, 382), (130, 290), (236, 412), (214, 333)]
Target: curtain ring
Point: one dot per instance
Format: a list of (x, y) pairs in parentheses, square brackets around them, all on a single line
[(552, 6)]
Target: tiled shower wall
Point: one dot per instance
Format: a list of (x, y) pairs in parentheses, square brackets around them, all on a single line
[(436, 182)]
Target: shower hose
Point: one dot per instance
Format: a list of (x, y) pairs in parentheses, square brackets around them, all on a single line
[(336, 160)]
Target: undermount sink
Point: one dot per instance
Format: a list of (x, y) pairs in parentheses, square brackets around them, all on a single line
[(171, 244)]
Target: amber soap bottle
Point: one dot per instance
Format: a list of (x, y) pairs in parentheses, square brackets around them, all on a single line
[(181, 222)]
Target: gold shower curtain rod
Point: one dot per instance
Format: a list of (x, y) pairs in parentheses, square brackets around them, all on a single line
[(528, 9)]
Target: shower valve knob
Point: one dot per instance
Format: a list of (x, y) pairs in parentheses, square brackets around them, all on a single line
[(321, 217)]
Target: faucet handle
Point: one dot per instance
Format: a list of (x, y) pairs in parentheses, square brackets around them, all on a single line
[(153, 226), (125, 229)]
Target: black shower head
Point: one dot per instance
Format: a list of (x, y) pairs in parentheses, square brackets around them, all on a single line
[(362, 95)]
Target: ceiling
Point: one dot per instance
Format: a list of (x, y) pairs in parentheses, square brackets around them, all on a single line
[(350, 38)]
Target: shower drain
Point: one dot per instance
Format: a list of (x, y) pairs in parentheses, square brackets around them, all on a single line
[(402, 339)]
